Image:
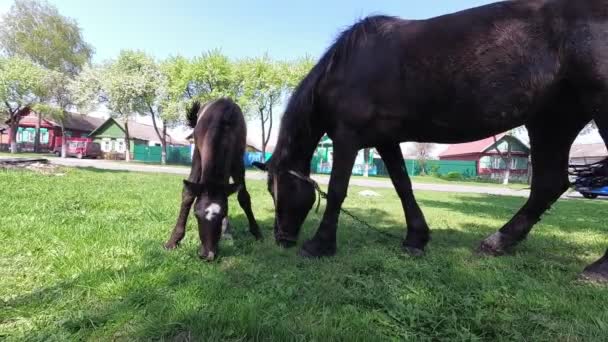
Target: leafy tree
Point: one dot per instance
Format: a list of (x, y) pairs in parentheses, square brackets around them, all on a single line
[(21, 86), (115, 85), (264, 84), (57, 99), (35, 29), (211, 76)]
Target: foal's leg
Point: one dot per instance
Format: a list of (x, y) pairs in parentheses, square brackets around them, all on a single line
[(245, 200), (324, 241), (550, 142), (187, 199), (417, 228)]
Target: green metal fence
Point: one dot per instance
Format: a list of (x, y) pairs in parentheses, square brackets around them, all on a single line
[(467, 169), (152, 154)]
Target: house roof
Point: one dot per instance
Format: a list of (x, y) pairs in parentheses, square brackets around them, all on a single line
[(473, 147), (141, 131), (73, 121), (588, 150)]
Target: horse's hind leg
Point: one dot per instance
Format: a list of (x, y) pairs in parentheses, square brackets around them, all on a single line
[(598, 271), (245, 200), (179, 231), (417, 228), (551, 136)]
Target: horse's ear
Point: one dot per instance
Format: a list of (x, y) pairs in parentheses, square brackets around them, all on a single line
[(232, 188), (194, 188), (261, 166)]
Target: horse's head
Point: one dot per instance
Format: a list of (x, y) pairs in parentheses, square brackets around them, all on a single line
[(293, 198), (210, 210)]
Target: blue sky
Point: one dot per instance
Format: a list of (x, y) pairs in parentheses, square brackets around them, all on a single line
[(240, 28)]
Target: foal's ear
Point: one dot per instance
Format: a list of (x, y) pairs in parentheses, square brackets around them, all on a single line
[(194, 188), (261, 166), (232, 188)]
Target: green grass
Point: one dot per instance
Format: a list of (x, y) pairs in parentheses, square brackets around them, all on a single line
[(81, 259)]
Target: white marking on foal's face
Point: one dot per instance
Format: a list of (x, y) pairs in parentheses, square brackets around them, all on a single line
[(212, 210)]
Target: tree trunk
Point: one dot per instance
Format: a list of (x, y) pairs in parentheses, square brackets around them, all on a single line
[(127, 142), (13, 138), (37, 136), (365, 164), (508, 165), (162, 137), (163, 154), (63, 142), (263, 122)]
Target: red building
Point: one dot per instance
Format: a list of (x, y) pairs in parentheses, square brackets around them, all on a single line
[(76, 125), (489, 162)]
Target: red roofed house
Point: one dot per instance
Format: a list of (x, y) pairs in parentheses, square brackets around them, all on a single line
[(76, 125), (489, 162)]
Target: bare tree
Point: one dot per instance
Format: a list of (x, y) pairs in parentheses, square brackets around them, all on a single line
[(422, 151), (507, 158)]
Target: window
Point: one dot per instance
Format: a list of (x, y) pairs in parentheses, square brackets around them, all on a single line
[(119, 145), (106, 145)]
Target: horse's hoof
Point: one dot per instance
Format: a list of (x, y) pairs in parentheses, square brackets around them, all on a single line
[(492, 246), (314, 249), (413, 251), (593, 277), (286, 243)]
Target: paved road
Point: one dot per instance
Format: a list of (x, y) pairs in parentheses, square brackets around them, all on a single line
[(370, 183)]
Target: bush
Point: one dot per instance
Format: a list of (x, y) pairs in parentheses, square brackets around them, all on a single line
[(454, 176), (434, 171)]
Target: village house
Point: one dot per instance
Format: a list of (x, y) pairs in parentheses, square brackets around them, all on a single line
[(110, 134), (75, 125), (490, 164), (588, 153)]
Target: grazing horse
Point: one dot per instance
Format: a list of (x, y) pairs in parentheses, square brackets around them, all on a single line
[(448, 79), (220, 134)]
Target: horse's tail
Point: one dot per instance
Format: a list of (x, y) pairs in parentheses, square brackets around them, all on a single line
[(192, 114)]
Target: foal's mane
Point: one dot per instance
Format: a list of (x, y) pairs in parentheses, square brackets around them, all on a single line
[(296, 124)]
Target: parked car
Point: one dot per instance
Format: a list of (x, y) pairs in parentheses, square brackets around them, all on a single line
[(81, 148)]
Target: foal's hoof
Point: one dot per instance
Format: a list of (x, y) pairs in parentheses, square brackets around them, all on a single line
[(493, 245), (314, 249), (171, 246), (413, 251), (286, 243)]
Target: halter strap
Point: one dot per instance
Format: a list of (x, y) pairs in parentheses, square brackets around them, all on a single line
[(311, 182)]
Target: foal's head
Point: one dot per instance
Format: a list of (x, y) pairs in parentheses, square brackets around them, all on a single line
[(210, 210)]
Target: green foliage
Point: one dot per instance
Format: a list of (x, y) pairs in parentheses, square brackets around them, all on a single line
[(454, 175), (85, 262), (36, 30), (210, 76), (21, 84)]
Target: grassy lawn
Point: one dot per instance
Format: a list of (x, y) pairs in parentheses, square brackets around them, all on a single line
[(81, 259)]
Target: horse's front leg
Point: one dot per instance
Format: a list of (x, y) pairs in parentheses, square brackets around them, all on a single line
[(417, 228), (324, 241), (179, 231)]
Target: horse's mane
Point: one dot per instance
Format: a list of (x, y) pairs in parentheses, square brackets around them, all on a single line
[(296, 122)]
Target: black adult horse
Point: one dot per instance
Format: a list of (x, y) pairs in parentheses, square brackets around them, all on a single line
[(449, 79)]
